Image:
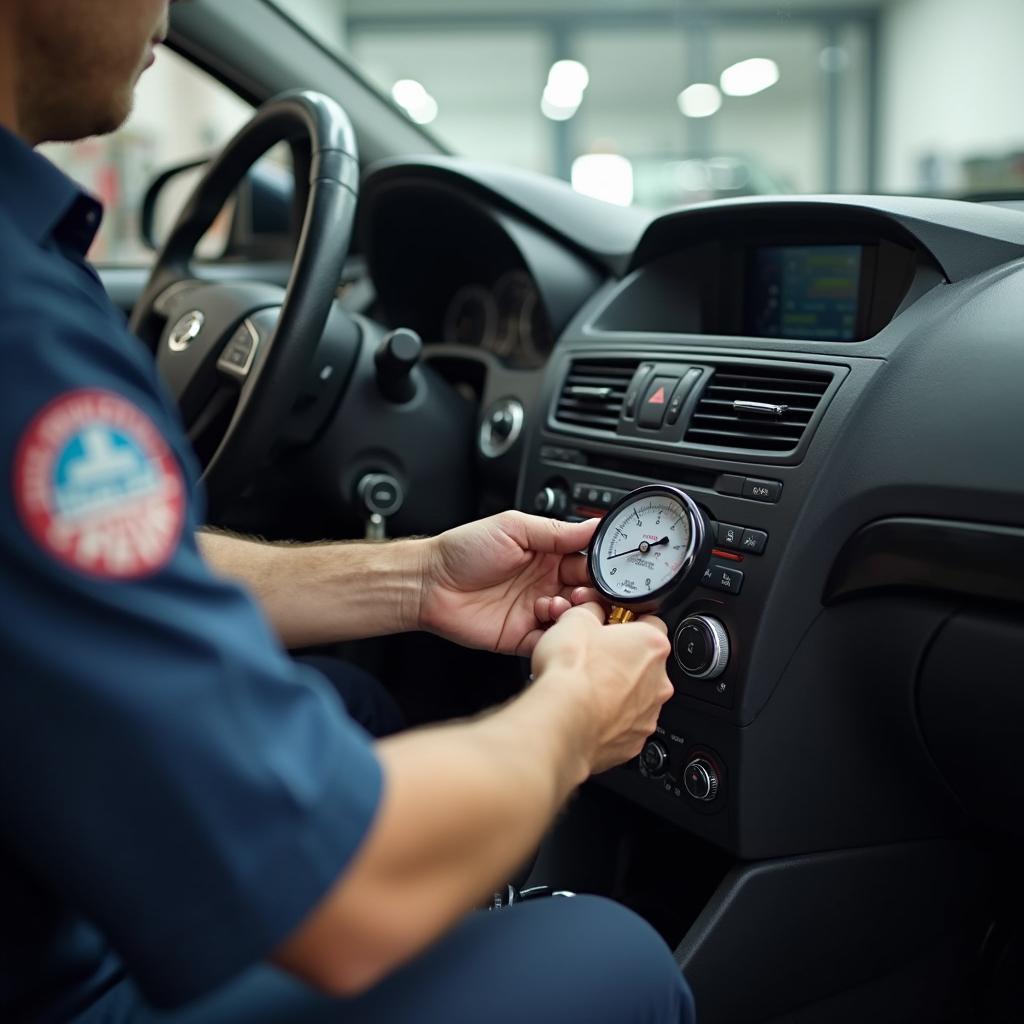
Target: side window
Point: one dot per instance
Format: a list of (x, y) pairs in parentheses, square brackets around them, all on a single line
[(180, 114)]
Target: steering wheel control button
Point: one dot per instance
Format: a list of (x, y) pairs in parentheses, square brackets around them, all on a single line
[(723, 578), (397, 357), (680, 395), (636, 387), (762, 490), (701, 647), (381, 494), (754, 542), (653, 760), (240, 352), (700, 778), (501, 428), (550, 501), (655, 403)]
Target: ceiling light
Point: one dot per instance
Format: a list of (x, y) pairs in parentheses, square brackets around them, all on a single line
[(560, 105), (414, 99), (555, 111), (749, 77), (700, 100), (569, 75), (407, 92), (605, 176), (426, 111)]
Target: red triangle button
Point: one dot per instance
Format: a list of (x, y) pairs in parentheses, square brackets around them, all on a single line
[(658, 398)]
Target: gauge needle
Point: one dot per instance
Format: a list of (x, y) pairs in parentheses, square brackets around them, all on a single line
[(643, 549)]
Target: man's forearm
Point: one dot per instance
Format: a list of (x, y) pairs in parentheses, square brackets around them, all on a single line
[(463, 806), (325, 593)]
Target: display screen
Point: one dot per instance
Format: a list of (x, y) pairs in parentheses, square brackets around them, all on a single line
[(810, 292)]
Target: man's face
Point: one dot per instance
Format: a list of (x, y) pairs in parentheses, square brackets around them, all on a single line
[(79, 62)]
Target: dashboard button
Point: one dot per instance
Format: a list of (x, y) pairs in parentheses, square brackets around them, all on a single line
[(730, 536), (754, 542), (656, 398), (633, 394), (723, 578), (679, 396), (762, 490), (729, 483)]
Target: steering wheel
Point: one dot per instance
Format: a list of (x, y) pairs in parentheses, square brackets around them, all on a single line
[(236, 355)]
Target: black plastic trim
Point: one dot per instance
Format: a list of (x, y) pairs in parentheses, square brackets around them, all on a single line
[(980, 560)]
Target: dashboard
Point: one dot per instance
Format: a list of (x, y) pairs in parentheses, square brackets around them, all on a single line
[(835, 381)]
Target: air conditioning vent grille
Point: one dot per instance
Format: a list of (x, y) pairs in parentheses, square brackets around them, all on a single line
[(593, 393), (777, 405)]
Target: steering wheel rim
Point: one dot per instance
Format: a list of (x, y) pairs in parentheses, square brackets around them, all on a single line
[(283, 347)]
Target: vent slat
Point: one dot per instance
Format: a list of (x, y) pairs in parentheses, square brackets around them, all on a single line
[(716, 424), (595, 410), (726, 404)]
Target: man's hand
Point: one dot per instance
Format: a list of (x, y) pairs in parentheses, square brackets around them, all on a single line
[(617, 674), (499, 583)]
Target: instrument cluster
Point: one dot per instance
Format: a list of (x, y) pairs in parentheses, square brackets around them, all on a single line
[(506, 318)]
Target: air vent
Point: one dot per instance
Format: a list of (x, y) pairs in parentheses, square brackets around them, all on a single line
[(593, 393), (757, 408)]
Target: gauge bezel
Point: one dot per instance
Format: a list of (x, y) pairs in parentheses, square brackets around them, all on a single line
[(698, 544)]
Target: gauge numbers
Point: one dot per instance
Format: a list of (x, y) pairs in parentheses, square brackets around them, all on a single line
[(642, 547)]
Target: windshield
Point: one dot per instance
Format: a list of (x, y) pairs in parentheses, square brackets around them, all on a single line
[(662, 102)]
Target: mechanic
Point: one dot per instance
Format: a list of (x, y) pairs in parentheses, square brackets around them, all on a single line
[(189, 818)]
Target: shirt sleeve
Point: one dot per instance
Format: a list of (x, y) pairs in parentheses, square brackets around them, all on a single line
[(164, 766)]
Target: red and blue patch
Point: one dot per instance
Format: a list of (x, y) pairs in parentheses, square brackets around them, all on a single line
[(98, 488)]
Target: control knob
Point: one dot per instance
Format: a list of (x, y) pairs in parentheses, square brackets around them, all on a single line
[(701, 647), (551, 501), (700, 777), (653, 759)]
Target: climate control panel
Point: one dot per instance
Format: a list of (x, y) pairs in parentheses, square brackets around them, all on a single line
[(689, 773)]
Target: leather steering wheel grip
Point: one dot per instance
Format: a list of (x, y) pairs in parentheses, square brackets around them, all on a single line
[(268, 395)]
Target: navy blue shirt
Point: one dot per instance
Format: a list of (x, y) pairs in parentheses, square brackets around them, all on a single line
[(176, 794)]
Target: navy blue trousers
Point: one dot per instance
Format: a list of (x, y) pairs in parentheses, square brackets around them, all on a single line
[(566, 961), (585, 960)]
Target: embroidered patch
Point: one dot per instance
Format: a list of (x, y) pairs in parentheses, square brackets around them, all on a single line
[(98, 487)]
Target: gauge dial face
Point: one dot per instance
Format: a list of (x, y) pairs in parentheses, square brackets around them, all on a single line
[(471, 317), (643, 547)]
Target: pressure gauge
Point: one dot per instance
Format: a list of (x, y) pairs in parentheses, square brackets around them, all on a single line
[(648, 549)]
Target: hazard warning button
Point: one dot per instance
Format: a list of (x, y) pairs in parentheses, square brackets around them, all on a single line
[(652, 409)]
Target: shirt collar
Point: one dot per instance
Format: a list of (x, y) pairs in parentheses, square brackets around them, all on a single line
[(42, 201)]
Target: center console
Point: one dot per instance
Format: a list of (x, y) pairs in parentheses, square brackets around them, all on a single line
[(617, 422)]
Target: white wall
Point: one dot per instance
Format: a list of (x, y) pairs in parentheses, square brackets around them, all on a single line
[(952, 86), (324, 19)]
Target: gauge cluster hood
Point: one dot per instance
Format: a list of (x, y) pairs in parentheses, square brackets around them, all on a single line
[(607, 235)]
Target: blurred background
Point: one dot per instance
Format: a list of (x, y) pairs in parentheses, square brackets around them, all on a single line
[(652, 102)]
